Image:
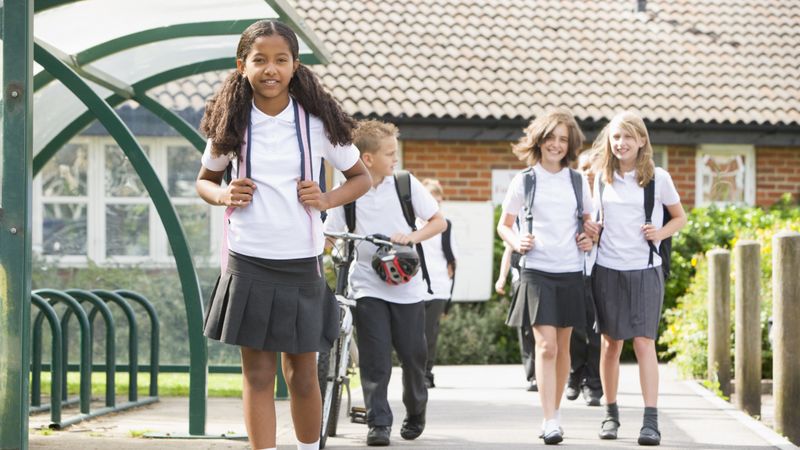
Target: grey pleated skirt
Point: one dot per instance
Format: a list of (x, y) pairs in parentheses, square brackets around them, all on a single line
[(273, 305), (628, 302), (555, 299)]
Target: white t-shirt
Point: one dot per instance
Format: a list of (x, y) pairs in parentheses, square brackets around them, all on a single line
[(379, 211), (436, 262), (622, 244), (276, 225), (555, 222)]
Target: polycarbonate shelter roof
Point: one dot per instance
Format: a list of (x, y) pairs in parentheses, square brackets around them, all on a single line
[(125, 47)]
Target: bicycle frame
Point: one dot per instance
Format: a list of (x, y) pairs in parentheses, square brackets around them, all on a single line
[(334, 366)]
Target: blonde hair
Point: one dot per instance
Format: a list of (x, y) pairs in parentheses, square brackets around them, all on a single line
[(528, 148), (433, 186), (369, 134), (607, 163)]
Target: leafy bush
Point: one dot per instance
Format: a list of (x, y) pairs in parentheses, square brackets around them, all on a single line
[(686, 335)]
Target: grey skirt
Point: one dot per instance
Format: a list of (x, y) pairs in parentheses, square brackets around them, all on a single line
[(273, 305), (628, 302), (555, 299)]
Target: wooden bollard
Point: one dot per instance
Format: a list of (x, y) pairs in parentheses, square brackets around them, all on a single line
[(786, 332), (747, 326), (719, 318)]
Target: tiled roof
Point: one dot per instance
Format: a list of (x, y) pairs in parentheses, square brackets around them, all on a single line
[(712, 61)]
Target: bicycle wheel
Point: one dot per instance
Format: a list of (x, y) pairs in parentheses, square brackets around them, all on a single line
[(336, 398), (327, 371)]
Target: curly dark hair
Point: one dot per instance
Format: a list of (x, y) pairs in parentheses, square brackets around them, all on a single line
[(228, 112)]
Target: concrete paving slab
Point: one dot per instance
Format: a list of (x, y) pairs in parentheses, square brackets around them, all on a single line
[(472, 407)]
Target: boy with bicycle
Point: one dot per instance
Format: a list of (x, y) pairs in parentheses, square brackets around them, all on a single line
[(390, 312)]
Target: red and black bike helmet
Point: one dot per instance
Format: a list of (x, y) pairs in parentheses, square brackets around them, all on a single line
[(396, 265)]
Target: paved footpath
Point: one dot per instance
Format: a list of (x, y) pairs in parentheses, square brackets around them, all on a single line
[(472, 407)]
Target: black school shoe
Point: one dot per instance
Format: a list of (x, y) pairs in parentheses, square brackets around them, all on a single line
[(413, 426), (649, 436), (378, 436), (609, 429), (533, 387), (591, 396), (572, 391), (553, 437)]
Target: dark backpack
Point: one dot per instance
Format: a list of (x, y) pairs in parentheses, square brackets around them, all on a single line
[(402, 183), (530, 193), (664, 249)]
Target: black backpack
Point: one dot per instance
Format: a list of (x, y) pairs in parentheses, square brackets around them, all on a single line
[(402, 183), (664, 249), (530, 193)]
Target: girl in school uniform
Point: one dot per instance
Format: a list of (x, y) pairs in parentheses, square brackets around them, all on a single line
[(550, 294), (272, 297), (628, 286)]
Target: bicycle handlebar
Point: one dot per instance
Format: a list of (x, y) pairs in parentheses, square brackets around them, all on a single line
[(376, 239)]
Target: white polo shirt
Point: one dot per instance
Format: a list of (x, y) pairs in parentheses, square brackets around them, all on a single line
[(555, 222), (622, 244), (379, 211), (276, 225), (437, 265)]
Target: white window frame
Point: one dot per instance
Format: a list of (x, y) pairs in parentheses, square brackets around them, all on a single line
[(748, 151), (96, 202)]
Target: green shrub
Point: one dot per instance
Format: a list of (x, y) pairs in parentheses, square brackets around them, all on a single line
[(685, 338)]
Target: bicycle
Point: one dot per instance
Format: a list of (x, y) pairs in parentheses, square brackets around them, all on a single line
[(335, 367)]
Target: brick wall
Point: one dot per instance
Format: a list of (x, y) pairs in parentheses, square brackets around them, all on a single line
[(464, 168), (777, 172), (681, 166)]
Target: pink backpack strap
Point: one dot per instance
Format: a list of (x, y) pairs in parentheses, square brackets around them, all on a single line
[(223, 253), (302, 128)]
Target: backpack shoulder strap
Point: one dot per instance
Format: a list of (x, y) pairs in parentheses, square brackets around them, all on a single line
[(649, 203), (350, 216), (530, 192), (577, 188), (447, 247), (402, 183)]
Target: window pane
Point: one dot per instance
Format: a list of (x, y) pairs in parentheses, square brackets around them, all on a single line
[(121, 179), (183, 163), (65, 174), (658, 158), (724, 178), (196, 223), (127, 230), (64, 229)]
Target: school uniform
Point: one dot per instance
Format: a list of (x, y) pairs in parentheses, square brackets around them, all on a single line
[(628, 292), (551, 288), (272, 295), (386, 315), (441, 287)]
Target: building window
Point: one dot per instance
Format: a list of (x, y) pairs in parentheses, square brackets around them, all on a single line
[(725, 175), (89, 204), (660, 156)]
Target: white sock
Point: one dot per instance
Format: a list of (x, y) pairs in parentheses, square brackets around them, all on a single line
[(271, 448), (557, 416), (550, 426), (311, 446)]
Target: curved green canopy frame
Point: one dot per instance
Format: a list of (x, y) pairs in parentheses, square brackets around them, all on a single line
[(87, 73), (169, 217)]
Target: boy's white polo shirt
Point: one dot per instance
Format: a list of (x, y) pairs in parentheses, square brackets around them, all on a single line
[(276, 225), (622, 244), (555, 222), (379, 211)]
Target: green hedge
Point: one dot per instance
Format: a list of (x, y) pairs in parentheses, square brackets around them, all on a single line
[(685, 338)]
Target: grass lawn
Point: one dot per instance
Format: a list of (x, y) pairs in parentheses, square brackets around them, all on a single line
[(169, 384)]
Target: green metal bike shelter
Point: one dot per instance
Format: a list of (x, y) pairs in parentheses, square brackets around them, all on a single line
[(66, 63)]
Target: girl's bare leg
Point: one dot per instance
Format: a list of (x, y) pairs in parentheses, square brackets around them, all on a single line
[(645, 349), (258, 396), (300, 371)]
